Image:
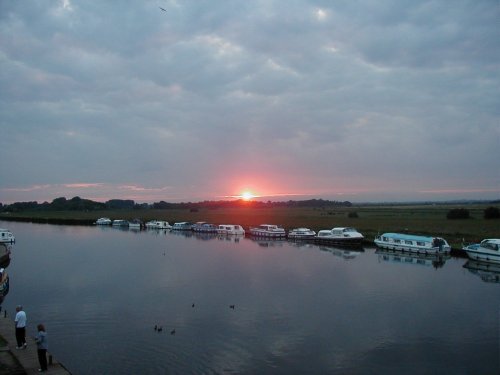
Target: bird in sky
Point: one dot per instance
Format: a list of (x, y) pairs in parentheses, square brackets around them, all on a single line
[(162, 9)]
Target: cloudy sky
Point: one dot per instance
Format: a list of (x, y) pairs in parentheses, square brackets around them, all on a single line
[(381, 100)]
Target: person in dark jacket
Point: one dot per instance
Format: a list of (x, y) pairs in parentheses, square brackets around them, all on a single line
[(42, 346)]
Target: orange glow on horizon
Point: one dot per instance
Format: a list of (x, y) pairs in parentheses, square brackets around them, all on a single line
[(247, 195)]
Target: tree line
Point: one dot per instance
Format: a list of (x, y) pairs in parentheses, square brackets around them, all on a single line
[(80, 204)]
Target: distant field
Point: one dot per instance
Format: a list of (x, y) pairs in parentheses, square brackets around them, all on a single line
[(371, 220)]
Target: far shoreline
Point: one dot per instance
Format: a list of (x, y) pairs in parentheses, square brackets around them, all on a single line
[(370, 219)]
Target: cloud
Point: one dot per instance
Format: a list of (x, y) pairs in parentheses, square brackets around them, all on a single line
[(210, 96)]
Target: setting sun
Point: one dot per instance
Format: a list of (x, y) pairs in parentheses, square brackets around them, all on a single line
[(246, 195)]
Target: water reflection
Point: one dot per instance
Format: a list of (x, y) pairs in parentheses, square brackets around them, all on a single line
[(488, 272), (268, 242), (434, 260), (5, 251), (296, 311), (342, 253)]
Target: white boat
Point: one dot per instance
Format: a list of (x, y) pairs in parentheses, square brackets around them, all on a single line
[(204, 227), (158, 224), (340, 236), (230, 229), (135, 224), (268, 230), (413, 243), (120, 223), (182, 225), (103, 221), (488, 250), (301, 233), (6, 236)]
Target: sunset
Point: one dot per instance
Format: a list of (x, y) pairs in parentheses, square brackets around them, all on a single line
[(249, 187), (200, 100)]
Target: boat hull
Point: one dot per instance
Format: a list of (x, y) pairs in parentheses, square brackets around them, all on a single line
[(340, 241), (479, 253)]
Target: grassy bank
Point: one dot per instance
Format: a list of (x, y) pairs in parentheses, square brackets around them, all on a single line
[(371, 220)]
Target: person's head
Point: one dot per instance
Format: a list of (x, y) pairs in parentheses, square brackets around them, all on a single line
[(40, 327), (19, 308)]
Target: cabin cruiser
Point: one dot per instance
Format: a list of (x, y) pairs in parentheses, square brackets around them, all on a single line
[(204, 227), (268, 230), (135, 224), (340, 236), (6, 236), (103, 221), (301, 233), (120, 223), (230, 229), (412, 243), (158, 224), (182, 225), (488, 250)]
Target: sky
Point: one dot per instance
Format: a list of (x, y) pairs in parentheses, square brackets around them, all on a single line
[(373, 100)]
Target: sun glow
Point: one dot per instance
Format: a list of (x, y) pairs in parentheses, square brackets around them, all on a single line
[(247, 195)]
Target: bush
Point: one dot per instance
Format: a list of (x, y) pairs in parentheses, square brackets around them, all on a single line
[(353, 215), (492, 213), (458, 213)]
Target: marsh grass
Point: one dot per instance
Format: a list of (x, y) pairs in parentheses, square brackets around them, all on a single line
[(371, 220)]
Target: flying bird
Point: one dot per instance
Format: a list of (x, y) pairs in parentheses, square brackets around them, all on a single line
[(162, 9)]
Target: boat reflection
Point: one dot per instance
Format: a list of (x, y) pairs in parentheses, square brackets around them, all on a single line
[(488, 272), (204, 236), (4, 284), (346, 254), (268, 243), (434, 260), (5, 250), (230, 237)]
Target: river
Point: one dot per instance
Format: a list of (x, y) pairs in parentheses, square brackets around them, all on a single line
[(240, 306)]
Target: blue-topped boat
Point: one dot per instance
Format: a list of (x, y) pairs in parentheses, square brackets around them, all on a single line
[(413, 243), (488, 250)]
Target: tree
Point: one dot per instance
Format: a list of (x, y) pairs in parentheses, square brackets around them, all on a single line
[(492, 213)]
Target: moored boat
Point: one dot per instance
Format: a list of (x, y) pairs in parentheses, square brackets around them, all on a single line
[(268, 230), (412, 243), (301, 233), (135, 224), (103, 221), (230, 229), (488, 250), (120, 223), (340, 236), (182, 225), (6, 236), (158, 224), (204, 227)]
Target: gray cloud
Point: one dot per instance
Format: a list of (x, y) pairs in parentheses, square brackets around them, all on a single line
[(358, 98)]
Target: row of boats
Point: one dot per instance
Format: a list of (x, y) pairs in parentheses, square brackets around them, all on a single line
[(487, 250)]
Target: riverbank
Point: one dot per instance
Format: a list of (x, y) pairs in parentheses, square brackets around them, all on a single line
[(23, 361), (370, 220)]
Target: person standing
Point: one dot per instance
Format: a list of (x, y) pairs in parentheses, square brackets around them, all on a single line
[(20, 322), (42, 346)]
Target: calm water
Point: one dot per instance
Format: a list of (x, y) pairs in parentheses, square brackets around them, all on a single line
[(298, 309)]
